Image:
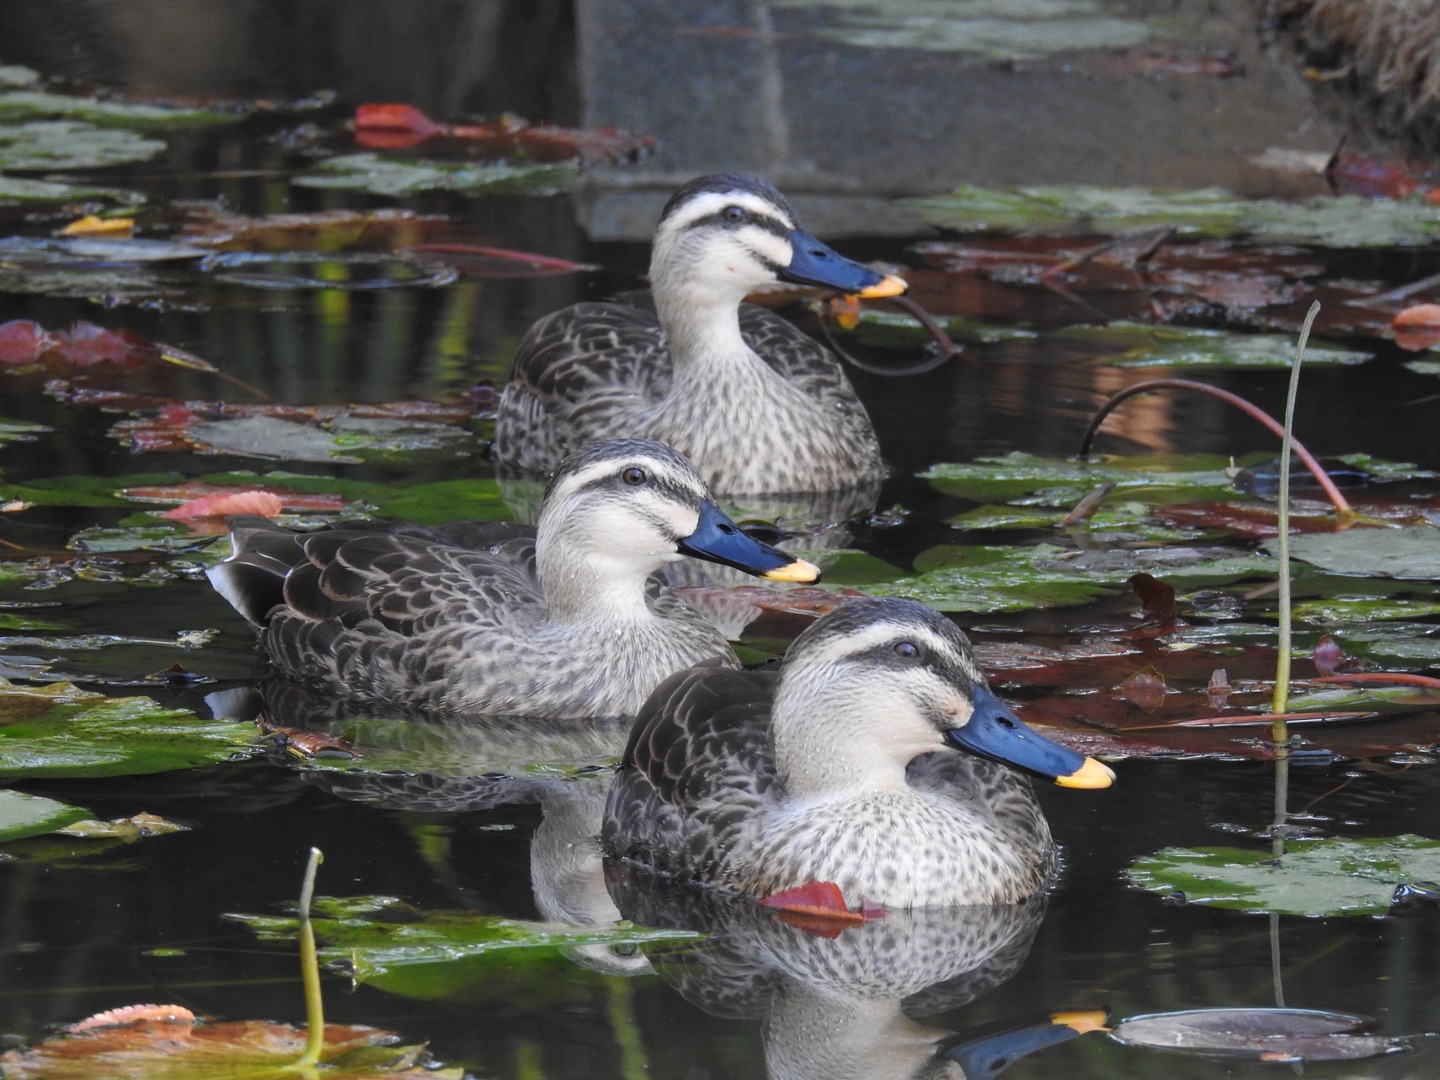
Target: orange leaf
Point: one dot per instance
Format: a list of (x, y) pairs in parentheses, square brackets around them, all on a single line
[(94, 225), (228, 503), (1417, 327)]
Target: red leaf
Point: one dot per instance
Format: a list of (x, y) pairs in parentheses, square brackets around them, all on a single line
[(822, 899), (397, 118), (24, 342), (227, 503), (128, 1015), (1417, 328)]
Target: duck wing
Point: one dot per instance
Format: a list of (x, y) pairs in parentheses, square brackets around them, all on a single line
[(696, 768), (579, 375)]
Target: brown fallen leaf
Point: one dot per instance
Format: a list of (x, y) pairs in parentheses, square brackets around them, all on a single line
[(1145, 689), (1417, 328)]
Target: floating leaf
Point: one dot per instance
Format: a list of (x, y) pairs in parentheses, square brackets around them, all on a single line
[(1261, 1034), (383, 176), (1346, 611), (1335, 876), (992, 578), (345, 440), (1412, 552), (1031, 480), (61, 730), (1327, 221), (430, 954), (159, 1042), (31, 815), (20, 430), (1140, 345), (69, 144)]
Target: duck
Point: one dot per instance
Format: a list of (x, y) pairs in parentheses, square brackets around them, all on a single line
[(555, 622), (873, 758), (699, 370)]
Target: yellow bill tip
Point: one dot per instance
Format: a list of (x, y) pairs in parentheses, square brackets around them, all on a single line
[(799, 570), (889, 285), (1092, 775), (1081, 1021)]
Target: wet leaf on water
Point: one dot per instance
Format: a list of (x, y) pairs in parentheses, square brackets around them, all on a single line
[(127, 829), (384, 176), (1139, 345), (91, 252), (1348, 611), (223, 503), (389, 126), (1334, 876), (15, 189), (1031, 480), (1339, 222), (20, 430), (1264, 1034), (61, 730), (1417, 328), (69, 144), (321, 230), (158, 1042), (27, 103), (31, 815), (431, 954), (993, 579), (344, 440), (1408, 553)]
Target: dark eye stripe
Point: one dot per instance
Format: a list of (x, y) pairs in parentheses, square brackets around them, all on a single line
[(774, 226)]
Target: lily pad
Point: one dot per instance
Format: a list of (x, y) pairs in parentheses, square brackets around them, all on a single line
[(1030, 480), (1409, 553), (1341, 221), (1346, 611), (141, 1041), (1271, 1035), (20, 430), (70, 144), (31, 815), (25, 103), (388, 176), (1138, 346), (431, 954), (62, 730), (979, 578), (350, 440), (1335, 876), (15, 189)]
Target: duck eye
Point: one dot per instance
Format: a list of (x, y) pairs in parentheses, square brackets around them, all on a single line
[(634, 476), (734, 215), (907, 650)]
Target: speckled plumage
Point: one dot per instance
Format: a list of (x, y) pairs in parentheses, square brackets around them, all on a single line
[(842, 765), (493, 618), (756, 404)]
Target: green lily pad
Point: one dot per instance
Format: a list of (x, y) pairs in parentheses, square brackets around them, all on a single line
[(1409, 553), (31, 815), (22, 102), (1346, 611), (1340, 221), (1130, 519), (1031, 480), (1424, 367), (434, 954), (348, 440), (1335, 876), (70, 144), (388, 176), (61, 730), (978, 578), (1136, 345), (14, 189), (20, 430)]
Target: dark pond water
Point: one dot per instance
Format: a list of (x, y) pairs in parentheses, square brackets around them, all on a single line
[(86, 927)]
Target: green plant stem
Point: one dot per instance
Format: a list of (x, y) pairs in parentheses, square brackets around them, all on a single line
[(310, 969), (1282, 660)]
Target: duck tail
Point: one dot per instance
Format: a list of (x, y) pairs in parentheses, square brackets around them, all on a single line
[(252, 579)]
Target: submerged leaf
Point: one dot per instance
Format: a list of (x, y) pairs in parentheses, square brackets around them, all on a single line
[(1335, 876)]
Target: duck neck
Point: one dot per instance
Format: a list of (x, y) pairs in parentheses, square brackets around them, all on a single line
[(702, 324), (829, 745), (583, 585)]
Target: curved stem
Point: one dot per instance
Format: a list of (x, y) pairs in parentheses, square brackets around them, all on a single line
[(1342, 506), (310, 970)]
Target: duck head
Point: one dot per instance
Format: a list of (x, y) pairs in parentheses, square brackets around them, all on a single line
[(728, 234), (622, 508), (877, 682)]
